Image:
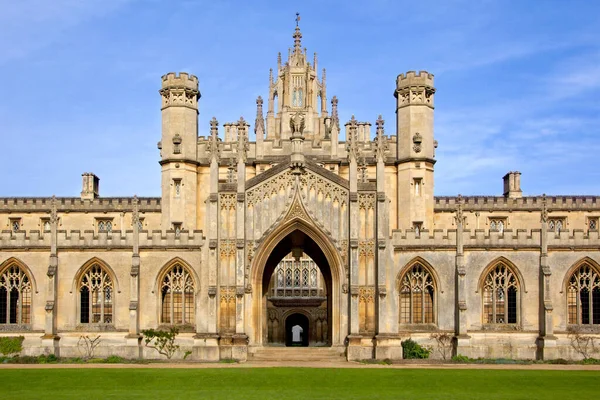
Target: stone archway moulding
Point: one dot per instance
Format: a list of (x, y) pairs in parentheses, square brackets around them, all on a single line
[(338, 302)]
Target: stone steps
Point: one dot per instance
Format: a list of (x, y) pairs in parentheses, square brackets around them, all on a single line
[(296, 354)]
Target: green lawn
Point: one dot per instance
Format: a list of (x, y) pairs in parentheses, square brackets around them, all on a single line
[(297, 383)]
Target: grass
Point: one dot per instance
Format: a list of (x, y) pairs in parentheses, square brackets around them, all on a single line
[(296, 383)]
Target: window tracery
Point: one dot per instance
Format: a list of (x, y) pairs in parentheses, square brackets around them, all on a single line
[(500, 296), (177, 296), (15, 296), (417, 291), (96, 296), (583, 296)]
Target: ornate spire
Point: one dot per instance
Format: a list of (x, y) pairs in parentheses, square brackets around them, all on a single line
[(381, 144), (335, 120), (278, 61), (242, 140), (259, 122), (213, 144), (352, 138), (297, 37), (231, 170)]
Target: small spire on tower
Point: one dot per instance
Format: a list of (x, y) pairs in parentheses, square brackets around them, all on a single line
[(297, 36)]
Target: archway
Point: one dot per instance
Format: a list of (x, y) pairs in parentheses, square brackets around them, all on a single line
[(299, 239), (297, 328)]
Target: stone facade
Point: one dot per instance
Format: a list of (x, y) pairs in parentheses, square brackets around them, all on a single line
[(505, 276)]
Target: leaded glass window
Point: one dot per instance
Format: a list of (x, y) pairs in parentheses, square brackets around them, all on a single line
[(583, 296), (313, 278), (177, 296), (296, 277), (96, 296), (497, 225), (105, 225), (556, 224), (15, 296), (417, 292), (500, 290)]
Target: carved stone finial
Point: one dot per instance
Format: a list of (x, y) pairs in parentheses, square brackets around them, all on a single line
[(335, 119), (297, 36), (259, 122), (213, 144), (459, 218), (381, 144), (544, 214), (53, 211), (352, 138), (135, 214), (242, 140)]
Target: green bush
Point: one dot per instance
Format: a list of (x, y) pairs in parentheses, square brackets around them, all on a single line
[(50, 358), (114, 360), (461, 359), (561, 361), (591, 361), (162, 341), (11, 345), (412, 350)]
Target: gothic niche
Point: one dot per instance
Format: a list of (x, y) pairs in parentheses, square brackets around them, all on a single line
[(417, 140)]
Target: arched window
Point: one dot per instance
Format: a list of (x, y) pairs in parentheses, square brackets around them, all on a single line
[(583, 296), (96, 291), (500, 296), (177, 296), (15, 296), (417, 292)]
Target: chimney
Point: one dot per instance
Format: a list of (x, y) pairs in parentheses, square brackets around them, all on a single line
[(90, 187), (512, 185)]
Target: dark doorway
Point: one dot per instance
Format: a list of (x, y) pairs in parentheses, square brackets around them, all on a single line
[(296, 330)]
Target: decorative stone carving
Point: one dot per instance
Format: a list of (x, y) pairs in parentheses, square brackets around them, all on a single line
[(242, 140), (352, 139), (297, 124), (213, 148), (417, 140), (381, 144)]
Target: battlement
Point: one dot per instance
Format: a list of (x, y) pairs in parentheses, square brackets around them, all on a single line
[(412, 78), (440, 240), (181, 80), (529, 203), (74, 204), (89, 239)]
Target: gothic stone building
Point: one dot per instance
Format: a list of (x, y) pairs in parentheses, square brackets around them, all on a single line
[(344, 239)]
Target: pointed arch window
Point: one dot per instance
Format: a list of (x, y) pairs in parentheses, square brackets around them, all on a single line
[(15, 296), (500, 296), (96, 291), (583, 296), (417, 296), (177, 296)]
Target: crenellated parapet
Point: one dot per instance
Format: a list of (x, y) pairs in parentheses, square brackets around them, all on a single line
[(179, 90), (483, 239), (89, 239), (529, 203), (76, 204), (414, 88)]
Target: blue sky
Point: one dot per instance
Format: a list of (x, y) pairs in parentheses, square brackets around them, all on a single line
[(518, 83)]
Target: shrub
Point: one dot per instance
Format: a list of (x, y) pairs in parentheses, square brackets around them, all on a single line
[(461, 359), (11, 345), (582, 343), (87, 346), (114, 360), (444, 344), (591, 361), (50, 358), (413, 350), (162, 341)]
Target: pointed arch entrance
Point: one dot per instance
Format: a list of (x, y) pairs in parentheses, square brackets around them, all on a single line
[(298, 235)]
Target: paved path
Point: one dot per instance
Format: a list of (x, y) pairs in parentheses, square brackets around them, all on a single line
[(309, 364)]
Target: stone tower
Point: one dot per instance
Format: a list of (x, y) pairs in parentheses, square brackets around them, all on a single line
[(179, 150), (415, 149)]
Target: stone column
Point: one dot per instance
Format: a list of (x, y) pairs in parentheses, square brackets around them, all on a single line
[(547, 340), (462, 339), (134, 338), (50, 338)]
